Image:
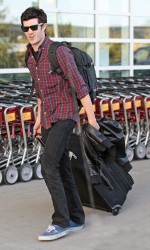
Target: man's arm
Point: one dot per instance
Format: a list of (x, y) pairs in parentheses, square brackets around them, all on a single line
[(87, 104), (66, 60), (37, 125)]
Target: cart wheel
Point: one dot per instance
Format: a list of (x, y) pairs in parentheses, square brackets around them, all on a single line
[(10, 175), (140, 151), (25, 172), (147, 155), (129, 152), (116, 210), (37, 171), (1, 177)]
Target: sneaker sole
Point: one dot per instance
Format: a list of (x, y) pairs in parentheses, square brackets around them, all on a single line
[(73, 229), (53, 237)]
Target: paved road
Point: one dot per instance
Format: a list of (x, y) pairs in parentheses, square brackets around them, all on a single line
[(25, 210)]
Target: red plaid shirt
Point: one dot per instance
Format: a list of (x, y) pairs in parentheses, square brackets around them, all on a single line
[(56, 101)]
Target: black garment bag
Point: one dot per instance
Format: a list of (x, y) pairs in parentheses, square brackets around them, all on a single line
[(102, 183)]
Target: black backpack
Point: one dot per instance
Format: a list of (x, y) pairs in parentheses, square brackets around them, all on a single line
[(84, 64)]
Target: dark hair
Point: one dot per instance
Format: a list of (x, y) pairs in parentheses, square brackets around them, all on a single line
[(34, 12)]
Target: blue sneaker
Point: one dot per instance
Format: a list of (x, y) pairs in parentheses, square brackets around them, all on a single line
[(54, 232), (74, 226)]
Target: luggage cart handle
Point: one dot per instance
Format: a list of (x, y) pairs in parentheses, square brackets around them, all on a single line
[(25, 105), (123, 95), (110, 96)]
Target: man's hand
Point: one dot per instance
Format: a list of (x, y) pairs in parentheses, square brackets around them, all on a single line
[(37, 129), (87, 104), (94, 124)]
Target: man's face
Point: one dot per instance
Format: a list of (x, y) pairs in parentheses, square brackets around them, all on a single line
[(35, 37)]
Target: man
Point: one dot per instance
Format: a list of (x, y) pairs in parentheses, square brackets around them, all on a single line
[(57, 116)]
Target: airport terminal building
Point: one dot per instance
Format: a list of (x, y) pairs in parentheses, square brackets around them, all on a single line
[(116, 33)]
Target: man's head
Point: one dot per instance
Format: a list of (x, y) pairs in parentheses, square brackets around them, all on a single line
[(33, 12), (33, 24)]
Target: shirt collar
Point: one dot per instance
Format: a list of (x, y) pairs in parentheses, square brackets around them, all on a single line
[(29, 46)]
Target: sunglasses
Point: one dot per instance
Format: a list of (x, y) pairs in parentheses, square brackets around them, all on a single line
[(32, 27)]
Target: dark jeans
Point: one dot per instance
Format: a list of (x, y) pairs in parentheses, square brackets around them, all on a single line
[(57, 173)]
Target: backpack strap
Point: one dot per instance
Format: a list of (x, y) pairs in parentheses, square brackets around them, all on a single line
[(53, 59)]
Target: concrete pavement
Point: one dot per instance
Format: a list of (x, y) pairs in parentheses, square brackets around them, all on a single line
[(26, 208)]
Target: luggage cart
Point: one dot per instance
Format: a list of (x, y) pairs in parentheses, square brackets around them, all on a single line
[(135, 131), (15, 95), (102, 106), (126, 108), (145, 126), (114, 103), (9, 170), (26, 117), (37, 165), (1, 175)]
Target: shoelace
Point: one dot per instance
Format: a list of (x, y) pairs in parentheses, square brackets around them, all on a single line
[(50, 228)]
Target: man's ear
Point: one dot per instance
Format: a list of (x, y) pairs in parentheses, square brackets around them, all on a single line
[(44, 26)]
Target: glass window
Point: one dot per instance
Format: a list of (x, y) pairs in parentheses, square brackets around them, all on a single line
[(113, 73), (52, 27), (139, 6), (63, 4), (113, 27), (141, 54), (15, 77), (12, 40), (142, 27), (114, 54), (142, 73), (11, 10), (113, 5), (72, 25)]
